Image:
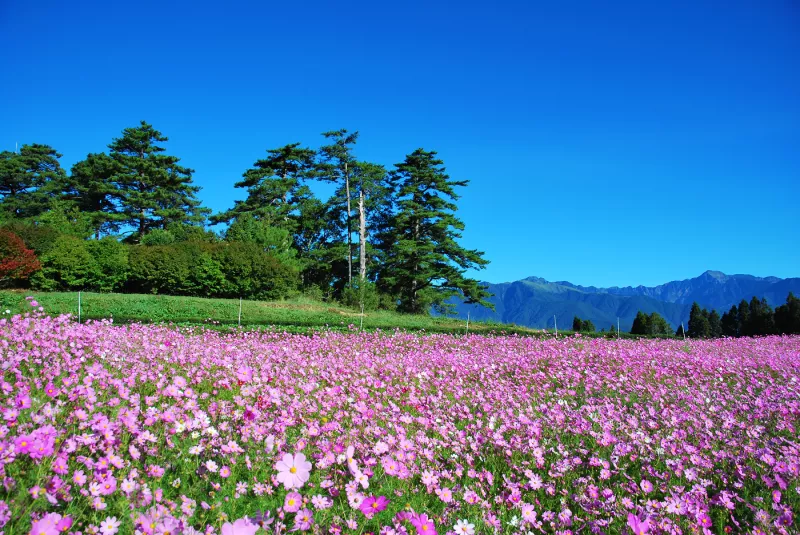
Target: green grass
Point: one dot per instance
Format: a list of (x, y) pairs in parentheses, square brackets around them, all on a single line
[(299, 315), (293, 315)]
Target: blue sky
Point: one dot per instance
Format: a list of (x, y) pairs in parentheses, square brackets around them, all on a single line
[(607, 143)]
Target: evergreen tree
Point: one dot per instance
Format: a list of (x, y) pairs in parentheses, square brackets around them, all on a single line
[(787, 316), (336, 166), (761, 320), (730, 322), (154, 189), (424, 264), (588, 326), (29, 180), (576, 324), (274, 187), (640, 324), (744, 318), (91, 189), (657, 325), (715, 324), (679, 331), (699, 326)]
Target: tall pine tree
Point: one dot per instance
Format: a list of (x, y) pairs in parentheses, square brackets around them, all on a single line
[(154, 189), (29, 180), (787, 316), (424, 264), (699, 326), (91, 189)]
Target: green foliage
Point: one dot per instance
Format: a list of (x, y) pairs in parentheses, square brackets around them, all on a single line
[(679, 332), (579, 325), (729, 322), (111, 264), (652, 325), (251, 272), (154, 190), (29, 180), (158, 236), (367, 294), (715, 324), (424, 264), (91, 188), (787, 316), (67, 218), (699, 326), (67, 265), (40, 238)]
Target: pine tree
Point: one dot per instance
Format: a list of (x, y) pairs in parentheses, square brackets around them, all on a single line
[(576, 324), (640, 324), (588, 326), (714, 324), (29, 180), (743, 322), (679, 331), (336, 166), (699, 326), (424, 265), (787, 316), (274, 187), (154, 189), (730, 322), (657, 325), (91, 189)]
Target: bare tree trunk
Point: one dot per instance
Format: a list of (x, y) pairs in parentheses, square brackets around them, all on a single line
[(349, 230), (362, 239)]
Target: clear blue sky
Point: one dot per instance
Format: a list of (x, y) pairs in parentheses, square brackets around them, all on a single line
[(606, 143)]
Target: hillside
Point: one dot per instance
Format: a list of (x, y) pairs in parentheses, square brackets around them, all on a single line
[(534, 301)]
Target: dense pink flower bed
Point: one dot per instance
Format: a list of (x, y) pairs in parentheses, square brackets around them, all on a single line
[(151, 430)]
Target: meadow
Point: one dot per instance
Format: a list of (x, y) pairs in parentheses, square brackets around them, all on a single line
[(149, 429)]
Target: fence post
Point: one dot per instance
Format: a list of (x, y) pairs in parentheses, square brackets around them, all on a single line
[(79, 306), (240, 312), (361, 327), (555, 324), (468, 321)]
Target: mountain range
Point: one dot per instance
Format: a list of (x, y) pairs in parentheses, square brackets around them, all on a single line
[(533, 302)]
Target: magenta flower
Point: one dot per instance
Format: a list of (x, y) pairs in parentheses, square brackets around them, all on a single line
[(424, 525), (646, 486), (243, 526), (293, 502), (47, 525), (293, 470), (303, 520), (639, 527), (373, 505), (224, 472)]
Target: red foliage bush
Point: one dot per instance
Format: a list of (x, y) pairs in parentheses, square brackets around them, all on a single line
[(16, 260)]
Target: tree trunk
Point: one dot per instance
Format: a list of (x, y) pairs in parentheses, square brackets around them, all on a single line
[(349, 229), (362, 239)]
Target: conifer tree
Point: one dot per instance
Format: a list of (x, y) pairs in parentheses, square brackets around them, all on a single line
[(730, 322), (787, 316), (714, 324), (424, 264), (29, 180), (91, 189), (154, 189), (699, 326), (640, 324)]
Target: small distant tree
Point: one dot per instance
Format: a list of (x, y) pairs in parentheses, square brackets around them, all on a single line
[(715, 324), (730, 322), (743, 313), (640, 323), (699, 326), (17, 262), (657, 325), (679, 331), (787, 317), (588, 326), (576, 324)]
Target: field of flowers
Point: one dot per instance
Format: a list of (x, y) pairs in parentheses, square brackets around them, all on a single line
[(154, 430)]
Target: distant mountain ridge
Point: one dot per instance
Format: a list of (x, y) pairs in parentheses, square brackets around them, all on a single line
[(534, 301)]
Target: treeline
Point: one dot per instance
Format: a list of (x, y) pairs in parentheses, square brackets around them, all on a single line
[(755, 318), (129, 220)]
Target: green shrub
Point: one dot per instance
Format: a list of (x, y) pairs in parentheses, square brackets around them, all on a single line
[(40, 238), (111, 259), (250, 272), (352, 297), (158, 237), (67, 265)]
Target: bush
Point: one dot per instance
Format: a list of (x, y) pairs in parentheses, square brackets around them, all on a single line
[(17, 262), (251, 272), (111, 259), (179, 269), (158, 237), (352, 297), (67, 265)]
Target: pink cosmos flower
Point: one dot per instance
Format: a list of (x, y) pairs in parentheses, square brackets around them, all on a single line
[(372, 505), (224, 472), (424, 525), (47, 525), (110, 525), (647, 487), (293, 470), (293, 502), (243, 526), (303, 520), (639, 527)]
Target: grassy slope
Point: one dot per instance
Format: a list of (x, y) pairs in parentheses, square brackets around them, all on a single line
[(293, 315)]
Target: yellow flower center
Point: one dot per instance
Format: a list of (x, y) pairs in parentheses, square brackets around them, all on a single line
[(293, 470), (291, 501), (374, 505), (424, 527)]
